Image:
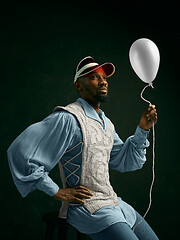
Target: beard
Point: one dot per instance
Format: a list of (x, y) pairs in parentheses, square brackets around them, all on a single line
[(101, 98)]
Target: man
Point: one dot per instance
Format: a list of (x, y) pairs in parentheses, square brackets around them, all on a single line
[(83, 141)]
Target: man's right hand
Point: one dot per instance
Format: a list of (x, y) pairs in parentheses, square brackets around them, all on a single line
[(74, 194)]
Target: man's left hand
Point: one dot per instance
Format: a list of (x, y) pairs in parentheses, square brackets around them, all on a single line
[(148, 118)]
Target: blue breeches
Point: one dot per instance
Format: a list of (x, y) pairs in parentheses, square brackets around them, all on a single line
[(122, 231)]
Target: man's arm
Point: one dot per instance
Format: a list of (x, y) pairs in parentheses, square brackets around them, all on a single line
[(131, 154), (37, 150)]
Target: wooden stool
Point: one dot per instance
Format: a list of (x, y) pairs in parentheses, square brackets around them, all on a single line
[(52, 221)]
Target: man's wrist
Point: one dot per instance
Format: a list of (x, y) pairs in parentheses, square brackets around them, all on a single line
[(140, 136), (143, 127), (47, 185)]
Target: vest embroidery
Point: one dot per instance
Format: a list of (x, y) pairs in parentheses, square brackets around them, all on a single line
[(97, 146)]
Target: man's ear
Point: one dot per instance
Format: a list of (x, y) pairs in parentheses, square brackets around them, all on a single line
[(78, 85)]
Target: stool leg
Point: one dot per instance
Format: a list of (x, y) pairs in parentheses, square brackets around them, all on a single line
[(81, 236), (78, 235), (62, 232), (50, 228)]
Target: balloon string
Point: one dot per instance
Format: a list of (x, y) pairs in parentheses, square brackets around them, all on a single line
[(153, 164), (149, 85)]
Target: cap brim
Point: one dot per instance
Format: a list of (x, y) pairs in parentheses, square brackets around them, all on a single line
[(108, 68)]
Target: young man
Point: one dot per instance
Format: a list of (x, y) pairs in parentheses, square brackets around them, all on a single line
[(83, 141)]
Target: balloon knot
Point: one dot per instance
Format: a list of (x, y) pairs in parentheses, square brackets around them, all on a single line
[(150, 84)]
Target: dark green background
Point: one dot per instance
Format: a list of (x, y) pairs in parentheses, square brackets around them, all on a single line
[(40, 48)]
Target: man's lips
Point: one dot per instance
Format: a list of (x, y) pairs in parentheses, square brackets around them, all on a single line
[(102, 90)]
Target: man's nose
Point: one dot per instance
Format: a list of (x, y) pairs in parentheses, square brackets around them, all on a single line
[(102, 81)]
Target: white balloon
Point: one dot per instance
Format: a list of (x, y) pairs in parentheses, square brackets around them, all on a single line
[(144, 58)]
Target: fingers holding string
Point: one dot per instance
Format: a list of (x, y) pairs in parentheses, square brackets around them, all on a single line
[(151, 113)]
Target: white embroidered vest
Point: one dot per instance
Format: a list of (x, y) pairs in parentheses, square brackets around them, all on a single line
[(97, 147)]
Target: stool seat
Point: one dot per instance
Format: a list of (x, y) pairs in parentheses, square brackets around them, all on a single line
[(53, 221), (52, 217)]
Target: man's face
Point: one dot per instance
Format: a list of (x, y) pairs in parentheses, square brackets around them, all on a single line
[(93, 87)]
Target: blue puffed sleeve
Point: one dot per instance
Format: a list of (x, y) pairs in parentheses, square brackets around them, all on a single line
[(131, 154), (37, 150)]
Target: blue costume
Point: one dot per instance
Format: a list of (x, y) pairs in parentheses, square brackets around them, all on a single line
[(42, 145)]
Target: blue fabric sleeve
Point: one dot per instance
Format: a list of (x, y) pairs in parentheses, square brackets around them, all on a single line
[(131, 154), (37, 150)]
